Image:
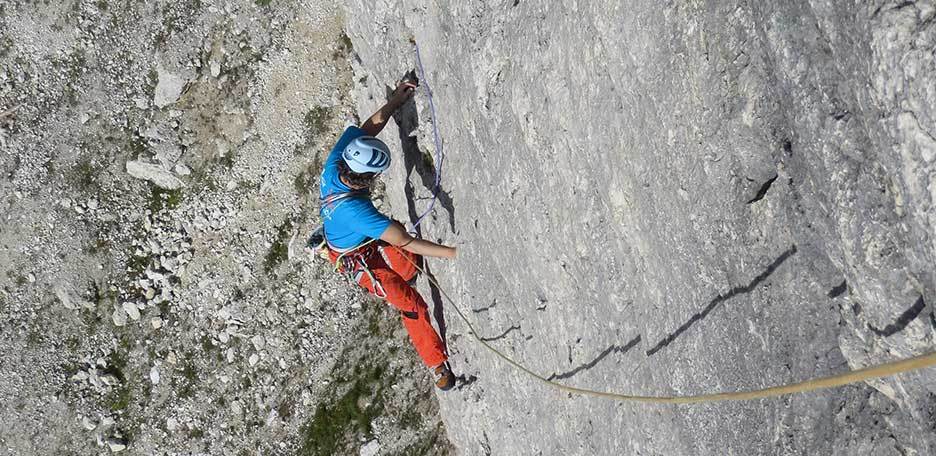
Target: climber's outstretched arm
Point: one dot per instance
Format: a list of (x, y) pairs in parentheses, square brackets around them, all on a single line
[(396, 235), (375, 123)]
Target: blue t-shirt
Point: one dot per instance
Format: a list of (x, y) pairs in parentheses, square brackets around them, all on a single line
[(350, 221)]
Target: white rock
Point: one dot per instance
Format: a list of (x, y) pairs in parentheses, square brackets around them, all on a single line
[(87, 424), (156, 322), (224, 337), (182, 170), (119, 317), (150, 293), (254, 359), (257, 341), (370, 448), (154, 173), (168, 88), (116, 445), (171, 358), (154, 375), (215, 68), (62, 295), (172, 424), (132, 310)]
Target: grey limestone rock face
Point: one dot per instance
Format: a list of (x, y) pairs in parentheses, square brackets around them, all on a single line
[(673, 198)]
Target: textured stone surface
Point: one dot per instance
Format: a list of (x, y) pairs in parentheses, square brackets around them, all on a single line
[(674, 198)]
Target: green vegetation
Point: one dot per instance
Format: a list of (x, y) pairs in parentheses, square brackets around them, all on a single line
[(149, 86), (189, 379), (262, 2), (316, 121), (279, 251), (344, 48), (6, 43), (354, 412), (119, 398), (305, 182), (84, 175), (427, 160), (164, 199)]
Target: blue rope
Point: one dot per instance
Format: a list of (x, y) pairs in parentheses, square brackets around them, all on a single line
[(440, 155)]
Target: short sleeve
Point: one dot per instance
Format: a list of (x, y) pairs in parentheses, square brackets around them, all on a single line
[(368, 221)]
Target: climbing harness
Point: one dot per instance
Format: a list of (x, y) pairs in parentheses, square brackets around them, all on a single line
[(353, 260)]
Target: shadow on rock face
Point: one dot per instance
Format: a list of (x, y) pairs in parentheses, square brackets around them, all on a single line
[(722, 298), (407, 120)]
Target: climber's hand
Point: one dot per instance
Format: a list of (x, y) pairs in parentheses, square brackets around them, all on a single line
[(403, 92)]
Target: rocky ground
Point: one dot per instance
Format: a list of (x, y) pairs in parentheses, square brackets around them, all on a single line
[(157, 168)]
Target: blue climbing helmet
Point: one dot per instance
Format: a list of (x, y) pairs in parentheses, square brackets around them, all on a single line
[(367, 154)]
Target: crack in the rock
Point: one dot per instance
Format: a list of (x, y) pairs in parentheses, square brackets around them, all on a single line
[(722, 298), (503, 335), (763, 190), (902, 321), (837, 290), (485, 309), (584, 367)]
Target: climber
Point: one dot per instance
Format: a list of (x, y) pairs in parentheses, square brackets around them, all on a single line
[(376, 250)]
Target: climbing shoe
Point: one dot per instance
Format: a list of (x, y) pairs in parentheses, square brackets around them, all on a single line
[(444, 378)]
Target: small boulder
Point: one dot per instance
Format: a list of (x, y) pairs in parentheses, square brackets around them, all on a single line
[(156, 174)]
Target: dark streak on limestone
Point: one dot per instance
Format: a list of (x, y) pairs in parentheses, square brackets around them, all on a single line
[(721, 298), (502, 335), (763, 190), (838, 289), (612, 349), (902, 321)]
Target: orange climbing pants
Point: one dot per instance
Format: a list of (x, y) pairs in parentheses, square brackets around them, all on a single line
[(388, 267)]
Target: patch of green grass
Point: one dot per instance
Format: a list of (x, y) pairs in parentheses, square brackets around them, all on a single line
[(84, 175), (189, 379), (352, 412), (164, 199), (120, 398), (279, 251), (6, 44), (305, 181), (263, 2), (316, 120), (345, 46), (206, 344), (149, 85), (137, 265)]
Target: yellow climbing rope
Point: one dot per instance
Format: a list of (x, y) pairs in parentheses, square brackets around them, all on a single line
[(879, 371)]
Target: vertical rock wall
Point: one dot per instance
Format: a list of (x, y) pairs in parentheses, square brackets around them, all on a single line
[(673, 198)]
